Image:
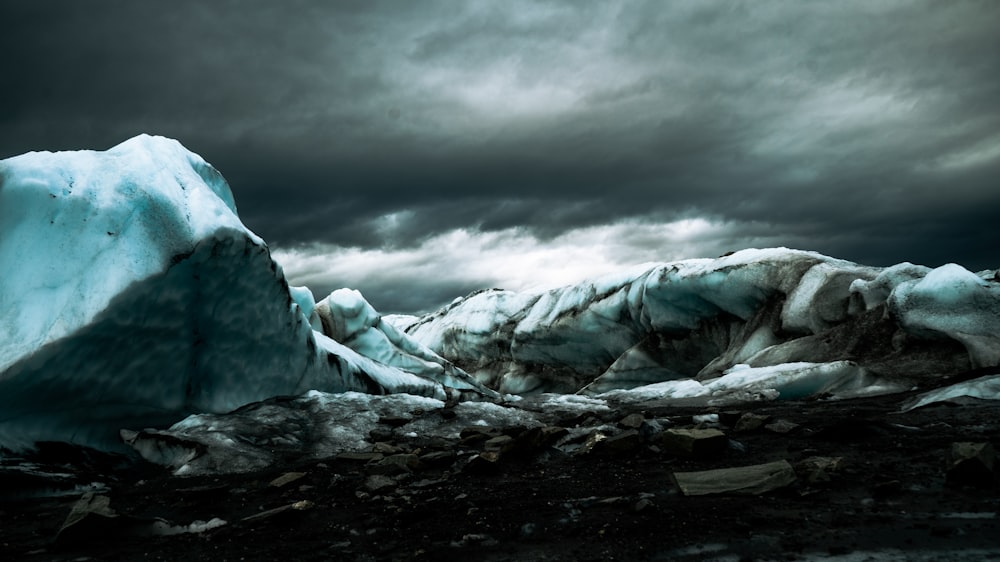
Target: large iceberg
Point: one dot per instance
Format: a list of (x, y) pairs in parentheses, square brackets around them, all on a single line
[(698, 319), (132, 295)]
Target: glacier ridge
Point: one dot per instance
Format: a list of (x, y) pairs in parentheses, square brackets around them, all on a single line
[(134, 297), (700, 319)]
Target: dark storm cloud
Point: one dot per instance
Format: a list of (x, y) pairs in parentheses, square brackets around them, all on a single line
[(866, 130)]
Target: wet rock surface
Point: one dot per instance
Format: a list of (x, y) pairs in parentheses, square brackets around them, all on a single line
[(857, 477)]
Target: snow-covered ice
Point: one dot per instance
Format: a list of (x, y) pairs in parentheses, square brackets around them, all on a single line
[(694, 320), (742, 383), (955, 303), (983, 388), (133, 295), (346, 317)]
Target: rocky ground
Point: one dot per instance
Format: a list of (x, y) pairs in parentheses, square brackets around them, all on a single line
[(847, 480)]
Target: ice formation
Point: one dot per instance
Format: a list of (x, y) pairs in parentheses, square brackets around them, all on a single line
[(313, 425), (133, 295), (346, 317), (788, 381), (694, 320), (982, 388)]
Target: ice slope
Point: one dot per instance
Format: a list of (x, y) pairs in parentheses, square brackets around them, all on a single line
[(313, 425), (788, 381), (953, 302), (346, 317), (982, 388), (696, 319), (132, 295)]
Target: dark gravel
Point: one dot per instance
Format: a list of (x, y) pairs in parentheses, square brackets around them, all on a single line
[(493, 498)]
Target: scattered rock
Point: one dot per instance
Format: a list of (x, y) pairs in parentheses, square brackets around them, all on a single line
[(402, 463), (487, 461), (92, 520), (394, 421), (624, 443), (386, 448), (533, 440), (475, 538), (632, 421), (745, 480), (591, 441), (438, 459), (513, 431), (781, 426), (302, 505), (360, 457), (500, 443), (693, 442), (972, 464), (475, 435), (730, 417), (642, 505), (380, 433), (421, 484), (650, 430), (377, 482), (163, 528), (750, 422), (286, 478), (91, 516), (816, 470)]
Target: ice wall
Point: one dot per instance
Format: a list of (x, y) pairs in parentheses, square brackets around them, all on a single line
[(696, 319), (132, 295)]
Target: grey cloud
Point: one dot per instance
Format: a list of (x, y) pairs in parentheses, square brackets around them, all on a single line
[(829, 124)]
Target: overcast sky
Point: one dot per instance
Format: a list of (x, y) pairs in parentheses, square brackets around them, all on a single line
[(418, 150)]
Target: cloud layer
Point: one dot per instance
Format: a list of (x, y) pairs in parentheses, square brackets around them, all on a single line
[(448, 141)]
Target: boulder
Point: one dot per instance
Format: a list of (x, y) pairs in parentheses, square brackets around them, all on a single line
[(815, 470), (744, 480), (750, 422), (693, 442), (972, 464)]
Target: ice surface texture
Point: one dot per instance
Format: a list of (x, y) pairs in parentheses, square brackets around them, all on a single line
[(345, 316), (132, 295), (697, 319)]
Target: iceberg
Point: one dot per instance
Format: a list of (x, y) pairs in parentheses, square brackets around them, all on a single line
[(952, 302), (695, 320), (132, 294)]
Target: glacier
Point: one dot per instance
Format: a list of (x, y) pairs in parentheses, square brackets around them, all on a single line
[(132, 294), (696, 320), (133, 298)]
